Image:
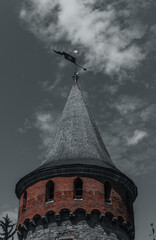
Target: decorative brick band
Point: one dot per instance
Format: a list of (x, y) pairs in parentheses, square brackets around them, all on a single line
[(106, 221)]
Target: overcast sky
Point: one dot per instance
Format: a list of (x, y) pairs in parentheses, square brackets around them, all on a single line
[(117, 44)]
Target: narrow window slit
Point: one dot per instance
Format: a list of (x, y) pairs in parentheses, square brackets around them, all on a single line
[(78, 189), (24, 201), (107, 190), (49, 191)]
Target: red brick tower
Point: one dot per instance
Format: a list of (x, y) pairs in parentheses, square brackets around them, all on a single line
[(77, 193)]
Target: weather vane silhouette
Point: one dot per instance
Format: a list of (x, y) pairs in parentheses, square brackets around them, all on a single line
[(153, 232), (73, 60)]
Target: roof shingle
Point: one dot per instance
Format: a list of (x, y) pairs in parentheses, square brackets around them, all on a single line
[(78, 140)]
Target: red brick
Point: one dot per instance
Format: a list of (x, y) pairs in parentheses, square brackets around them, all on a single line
[(93, 198)]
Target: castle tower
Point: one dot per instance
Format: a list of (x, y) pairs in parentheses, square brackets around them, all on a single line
[(77, 193)]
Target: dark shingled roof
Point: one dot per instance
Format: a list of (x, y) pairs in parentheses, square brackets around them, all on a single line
[(78, 150), (78, 140)]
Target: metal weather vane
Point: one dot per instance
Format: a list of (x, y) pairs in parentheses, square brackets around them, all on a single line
[(73, 60), (153, 232)]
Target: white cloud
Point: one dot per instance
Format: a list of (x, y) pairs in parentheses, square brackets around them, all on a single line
[(129, 156), (46, 123), (137, 137), (95, 28)]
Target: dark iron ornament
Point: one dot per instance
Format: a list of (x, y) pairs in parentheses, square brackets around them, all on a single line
[(73, 60)]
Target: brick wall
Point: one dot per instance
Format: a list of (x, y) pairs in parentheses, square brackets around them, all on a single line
[(93, 198)]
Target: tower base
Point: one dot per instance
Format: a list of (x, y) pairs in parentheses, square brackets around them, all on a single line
[(81, 226)]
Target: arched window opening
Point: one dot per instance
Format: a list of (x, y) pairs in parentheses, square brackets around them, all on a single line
[(78, 189), (24, 201), (49, 191), (107, 191)]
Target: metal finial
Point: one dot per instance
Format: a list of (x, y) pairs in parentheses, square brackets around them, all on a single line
[(76, 77), (73, 60)]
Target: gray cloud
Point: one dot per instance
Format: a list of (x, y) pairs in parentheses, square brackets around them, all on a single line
[(108, 33), (26, 126), (112, 88), (127, 104), (113, 39), (137, 137), (49, 85), (130, 137), (46, 123)]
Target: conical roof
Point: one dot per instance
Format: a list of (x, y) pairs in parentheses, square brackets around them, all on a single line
[(78, 150), (78, 140)]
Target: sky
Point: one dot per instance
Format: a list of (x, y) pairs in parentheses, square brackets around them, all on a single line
[(116, 41)]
